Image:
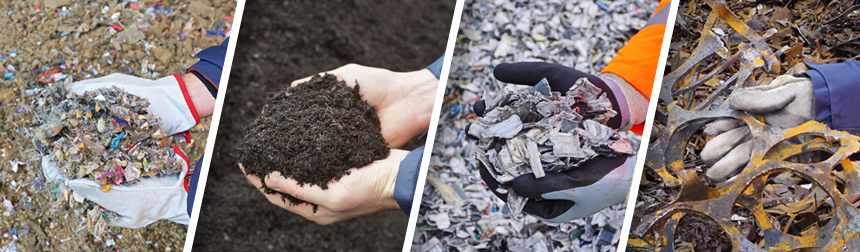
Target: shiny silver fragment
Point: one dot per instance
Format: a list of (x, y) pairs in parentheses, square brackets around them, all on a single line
[(534, 159), (567, 145), (505, 129), (516, 202)]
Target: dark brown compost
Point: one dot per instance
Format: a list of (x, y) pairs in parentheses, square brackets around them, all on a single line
[(313, 133)]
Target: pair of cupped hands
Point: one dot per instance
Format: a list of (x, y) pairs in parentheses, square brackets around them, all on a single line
[(403, 102)]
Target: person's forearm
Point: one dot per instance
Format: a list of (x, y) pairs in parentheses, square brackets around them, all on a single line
[(835, 90), (407, 179), (636, 101), (210, 67), (203, 101)]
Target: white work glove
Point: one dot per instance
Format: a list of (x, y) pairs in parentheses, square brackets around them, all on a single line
[(787, 102), (138, 205), (168, 97)]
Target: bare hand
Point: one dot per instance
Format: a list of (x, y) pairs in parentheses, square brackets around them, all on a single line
[(364, 191), (402, 100)]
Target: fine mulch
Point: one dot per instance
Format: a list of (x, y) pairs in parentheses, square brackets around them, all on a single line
[(313, 133)]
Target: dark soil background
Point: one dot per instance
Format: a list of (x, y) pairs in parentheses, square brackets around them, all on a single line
[(282, 41)]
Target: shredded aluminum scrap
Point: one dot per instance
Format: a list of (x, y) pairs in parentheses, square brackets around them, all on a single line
[(798, 192), (458, 212), (539, 131)]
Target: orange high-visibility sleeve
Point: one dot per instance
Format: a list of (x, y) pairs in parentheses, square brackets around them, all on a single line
[(636, 62)]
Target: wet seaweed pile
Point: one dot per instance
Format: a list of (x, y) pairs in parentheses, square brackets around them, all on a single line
[(106, 135), (815, 31), (313, 133), (540, 131)]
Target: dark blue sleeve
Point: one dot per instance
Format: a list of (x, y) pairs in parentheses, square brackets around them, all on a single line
[(407, 176), (836, 88), (192, 186), (436, 67), (210, 66), (407, 179)]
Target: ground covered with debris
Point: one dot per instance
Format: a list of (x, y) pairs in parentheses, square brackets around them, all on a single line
[(320, 121), (583, 35), (282, 41), (49, 42), (741, 44)]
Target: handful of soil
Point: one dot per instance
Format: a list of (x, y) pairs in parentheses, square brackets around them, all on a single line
[(313, 133)]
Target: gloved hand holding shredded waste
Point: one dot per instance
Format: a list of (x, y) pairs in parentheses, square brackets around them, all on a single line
[(180, 102), (787, 102), (578, 164), (630, 104), (825, 93)]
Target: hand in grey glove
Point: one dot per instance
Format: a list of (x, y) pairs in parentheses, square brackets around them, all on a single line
[(560, 197), (787, 102)]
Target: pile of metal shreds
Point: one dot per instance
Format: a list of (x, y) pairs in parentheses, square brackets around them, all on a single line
[(541, 131), (580, 34), (799, 190), (105, 135)]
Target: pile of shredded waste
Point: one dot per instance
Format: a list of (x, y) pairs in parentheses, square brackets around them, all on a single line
[(47, 42), (794, 31)]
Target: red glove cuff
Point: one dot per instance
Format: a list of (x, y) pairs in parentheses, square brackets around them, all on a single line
[(187, 97)]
